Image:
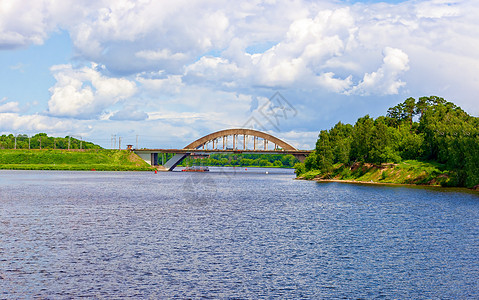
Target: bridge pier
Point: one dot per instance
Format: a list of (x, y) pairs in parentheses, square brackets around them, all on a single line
[(152, 159), (175, 160), (149, 157)]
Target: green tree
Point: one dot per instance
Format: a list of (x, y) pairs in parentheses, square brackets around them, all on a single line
[(324, 152), (361, 139)]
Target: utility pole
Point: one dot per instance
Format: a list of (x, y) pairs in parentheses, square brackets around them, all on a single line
[(81, 141), (40, 140), (15, 142), (119, 143), (137, 141), (29, 138), (69, 138)]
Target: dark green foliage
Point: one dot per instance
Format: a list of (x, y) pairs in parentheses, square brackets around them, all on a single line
[(324, 152), (340, 136), (430, 129), (42, 141), (244, 160)]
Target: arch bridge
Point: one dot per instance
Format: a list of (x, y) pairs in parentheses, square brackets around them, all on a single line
[(224, 141)]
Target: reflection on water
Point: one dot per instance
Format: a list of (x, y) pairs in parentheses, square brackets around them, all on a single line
[(231, 233)]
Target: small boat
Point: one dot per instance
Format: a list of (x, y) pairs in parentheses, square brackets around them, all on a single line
[(196, 169)]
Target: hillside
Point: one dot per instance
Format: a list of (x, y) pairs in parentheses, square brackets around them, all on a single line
[(54, 159), (429, 141), (406, 172)]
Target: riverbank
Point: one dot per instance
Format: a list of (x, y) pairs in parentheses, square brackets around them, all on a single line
[(410, 172), (73, 160)]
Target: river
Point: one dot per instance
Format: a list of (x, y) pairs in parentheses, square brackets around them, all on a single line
[(232, 233)]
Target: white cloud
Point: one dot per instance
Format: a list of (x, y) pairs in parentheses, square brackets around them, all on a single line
[(332, 84), (20, 26), (9, 107), (172, 84), (214, 69), (85, 92), (13, 122), (385, 80), (129, 113), (438, 9), (162, 54)]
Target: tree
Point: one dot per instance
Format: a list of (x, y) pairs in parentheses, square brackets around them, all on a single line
[(383, 143), (340, 138), (361, 139), (324, 152)]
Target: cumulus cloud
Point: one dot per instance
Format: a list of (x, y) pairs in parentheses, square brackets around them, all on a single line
[(13, 122), (213, 69), (150, 32), (437, 9), (9, 107), (163, 54), (85, 92), (306, 47), (156, 82), (386, 79), (317, 52), (20, 26)]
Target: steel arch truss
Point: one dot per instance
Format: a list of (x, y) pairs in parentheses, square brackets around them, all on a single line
[(230, 139)]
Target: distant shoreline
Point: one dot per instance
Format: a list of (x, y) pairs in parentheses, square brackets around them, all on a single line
[(370, 182)]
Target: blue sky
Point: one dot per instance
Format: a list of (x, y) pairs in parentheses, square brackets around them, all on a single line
[(171, 72)]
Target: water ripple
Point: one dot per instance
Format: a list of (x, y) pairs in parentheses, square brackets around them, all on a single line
[(232, 235)]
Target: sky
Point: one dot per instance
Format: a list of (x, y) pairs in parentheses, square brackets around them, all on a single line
[(161, 74)]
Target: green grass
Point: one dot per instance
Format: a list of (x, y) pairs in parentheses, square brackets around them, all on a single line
[(100, 160), (406, 172), (310, 174)]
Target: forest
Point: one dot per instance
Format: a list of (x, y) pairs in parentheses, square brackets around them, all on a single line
[(43, 141), (429, 129)]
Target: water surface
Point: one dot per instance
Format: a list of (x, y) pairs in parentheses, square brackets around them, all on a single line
[(232, 234)]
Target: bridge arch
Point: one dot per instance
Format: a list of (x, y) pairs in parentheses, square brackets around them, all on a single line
[(235, 132)]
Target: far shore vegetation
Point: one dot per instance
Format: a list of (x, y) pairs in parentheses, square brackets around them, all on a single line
[(244, 160), (73, 160), (429, 141)]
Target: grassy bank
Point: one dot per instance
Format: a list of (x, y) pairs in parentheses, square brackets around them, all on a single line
[(406, 172), (98, 159)]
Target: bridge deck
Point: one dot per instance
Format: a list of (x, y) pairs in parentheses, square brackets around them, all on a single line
[(178, 151)]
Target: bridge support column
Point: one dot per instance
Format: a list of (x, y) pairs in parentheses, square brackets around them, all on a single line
[(174, 161), (154, 159)]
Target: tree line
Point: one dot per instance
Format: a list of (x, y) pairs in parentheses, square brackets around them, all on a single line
[(429, 129), (43, 141), (245, 160)]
